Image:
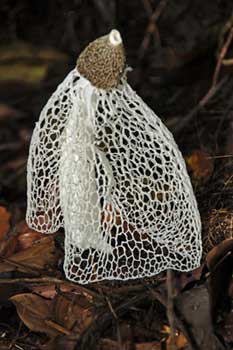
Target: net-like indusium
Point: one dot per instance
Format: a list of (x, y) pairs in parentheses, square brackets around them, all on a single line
[(103, 165)]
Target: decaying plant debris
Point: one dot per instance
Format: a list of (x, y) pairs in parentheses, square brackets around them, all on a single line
[(181, 53)]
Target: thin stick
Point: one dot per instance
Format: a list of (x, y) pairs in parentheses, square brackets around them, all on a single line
[(220, 157), (221, 56), (151, 28), (42, 280), (214, 86), (170, 307), (48, 280), (211, 93)]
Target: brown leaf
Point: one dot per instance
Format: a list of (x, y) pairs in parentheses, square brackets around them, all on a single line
[(180, 340), (40, 256), (4, 222), (219, 252), (27, 237), (49, 290), (154, 345), (201, 165), (220, 263), (34, 312), (8, 247), (70, 312)]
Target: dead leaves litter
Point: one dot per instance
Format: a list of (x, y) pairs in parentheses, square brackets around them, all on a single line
[(201, 165), (60, 316), (35, 313), (41, 256)]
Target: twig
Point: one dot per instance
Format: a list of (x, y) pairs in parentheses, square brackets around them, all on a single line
[(48, 280), (210, 94), (151, 26), (42, 280), (119, 337), (111, 308), (220, 157), (14, 340), (33, 270), (58, 327), (221, 56), (170, 307), (159, 9), (214, 87), (224, 30)]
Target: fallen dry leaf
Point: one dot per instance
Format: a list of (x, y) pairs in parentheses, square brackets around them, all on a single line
[(201, 165), (26, 236), (219, 252), (180, 340), (220, 264), (42, 255), (75, 311), (50, 290), (4, 222), (27, 239), (154, 345), (35, 313), (8, 246)]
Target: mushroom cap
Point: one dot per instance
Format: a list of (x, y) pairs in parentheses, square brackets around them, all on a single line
[(103, 61)]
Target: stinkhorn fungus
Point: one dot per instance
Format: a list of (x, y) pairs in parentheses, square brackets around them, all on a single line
[(103, 166)]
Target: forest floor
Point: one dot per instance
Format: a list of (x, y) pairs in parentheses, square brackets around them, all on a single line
[(181, 55)]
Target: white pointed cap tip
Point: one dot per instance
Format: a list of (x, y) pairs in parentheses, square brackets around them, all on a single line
[(115, 37)]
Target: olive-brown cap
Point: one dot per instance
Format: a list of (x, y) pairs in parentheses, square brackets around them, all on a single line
[(103, 61)]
